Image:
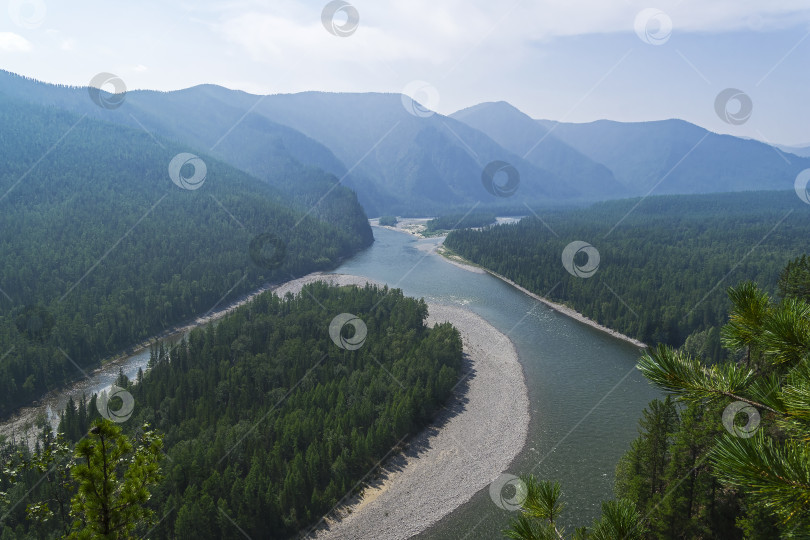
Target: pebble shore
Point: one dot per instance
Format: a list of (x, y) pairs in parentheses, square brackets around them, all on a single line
[(470, 443)]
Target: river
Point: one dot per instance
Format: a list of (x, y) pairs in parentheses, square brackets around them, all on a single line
[(585, 394)]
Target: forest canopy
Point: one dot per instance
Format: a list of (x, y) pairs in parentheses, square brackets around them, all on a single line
[(267, 420), (100, 250), (664, 262)]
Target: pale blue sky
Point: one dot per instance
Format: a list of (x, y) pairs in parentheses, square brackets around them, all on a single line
[(572, 60)]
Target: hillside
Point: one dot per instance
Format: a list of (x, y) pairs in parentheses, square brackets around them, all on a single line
[(407, 164), (100, 249), (676, 157), (661, 273), (214, 120), (520, 134)]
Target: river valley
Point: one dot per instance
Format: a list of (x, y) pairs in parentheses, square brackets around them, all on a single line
[(585, 395)]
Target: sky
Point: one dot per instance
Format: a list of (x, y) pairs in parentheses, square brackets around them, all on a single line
[(567, 60)]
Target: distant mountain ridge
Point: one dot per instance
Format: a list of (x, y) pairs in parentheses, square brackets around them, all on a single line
[(399, 163), (676, 157), (800, 150), (524, 136), (403, 161)]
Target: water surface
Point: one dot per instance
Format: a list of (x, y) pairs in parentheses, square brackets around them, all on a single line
[(585, 394)]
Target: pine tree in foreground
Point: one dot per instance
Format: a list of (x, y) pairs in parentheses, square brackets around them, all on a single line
[(99, 492), (541, 509), (113, 480), (768, 457)]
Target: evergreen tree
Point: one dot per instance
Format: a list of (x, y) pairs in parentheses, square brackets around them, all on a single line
[(113, 480), (770, 385), (542, 506)]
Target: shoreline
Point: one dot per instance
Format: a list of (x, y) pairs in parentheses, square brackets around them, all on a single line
[(471, 441), (461, 262), (413, 226), (569, 312), (15, 422), (20, 422)]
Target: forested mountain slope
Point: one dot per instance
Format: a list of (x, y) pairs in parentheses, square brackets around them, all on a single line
[(663, 266), (100, 249), (217, 122)]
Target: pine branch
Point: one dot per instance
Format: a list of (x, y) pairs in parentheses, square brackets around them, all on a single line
[(779, 476), (679, 373)]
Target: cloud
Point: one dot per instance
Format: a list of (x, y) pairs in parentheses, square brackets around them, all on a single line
[(556, 18), (274, 38), (11, 42), (417, 33)]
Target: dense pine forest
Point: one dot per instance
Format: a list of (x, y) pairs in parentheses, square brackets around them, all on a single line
[(724, 455), (265, 420), (694, 476), (100, 250), (663, 267)]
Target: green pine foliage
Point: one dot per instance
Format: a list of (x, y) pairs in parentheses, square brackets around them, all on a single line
[(100, 488), (736, 462), (541, 508), (669, 478), (113, 481)]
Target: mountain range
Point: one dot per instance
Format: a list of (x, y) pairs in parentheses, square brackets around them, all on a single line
[(401, 159)]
